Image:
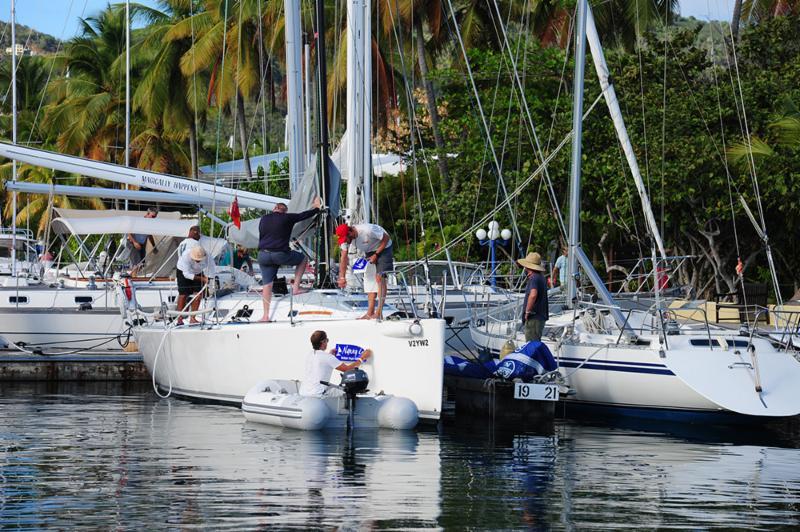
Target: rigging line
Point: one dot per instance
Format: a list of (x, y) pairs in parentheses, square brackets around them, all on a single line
[(751, 159), (521, 187), (641, 99), (725, 162), (195, 106), (414, 127), (561, 83), (219, 110), (530, 124), (483, 120), (50, 72), (262, 75), (664, 117)]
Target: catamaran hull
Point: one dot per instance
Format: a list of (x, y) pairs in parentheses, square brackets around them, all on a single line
[(221, 364)]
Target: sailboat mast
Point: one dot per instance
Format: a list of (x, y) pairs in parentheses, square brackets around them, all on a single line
[(127, 88), (14, 135), (294, 90), (323, 251), (577, 132)]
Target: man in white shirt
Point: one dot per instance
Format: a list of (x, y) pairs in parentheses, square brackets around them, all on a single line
[(193, 271), (320, 365), (374, 242), (560, 268)]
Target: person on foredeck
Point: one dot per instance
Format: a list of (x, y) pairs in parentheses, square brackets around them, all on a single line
[(535, 310), (374, 242), (275, 231), (138, 243), (194, 269), (320, 365), (560, 268)]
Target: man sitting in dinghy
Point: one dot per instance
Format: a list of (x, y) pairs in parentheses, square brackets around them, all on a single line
[(320, 365)]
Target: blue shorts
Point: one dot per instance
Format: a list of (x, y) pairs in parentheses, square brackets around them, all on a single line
[(385, 262), (270, 261)]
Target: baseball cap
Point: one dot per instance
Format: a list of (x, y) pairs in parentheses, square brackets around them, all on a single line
[(341, 231)]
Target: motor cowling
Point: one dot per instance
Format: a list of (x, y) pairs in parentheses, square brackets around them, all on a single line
[(354, 381)]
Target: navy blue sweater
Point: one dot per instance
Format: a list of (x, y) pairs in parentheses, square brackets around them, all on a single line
[(275, 229)]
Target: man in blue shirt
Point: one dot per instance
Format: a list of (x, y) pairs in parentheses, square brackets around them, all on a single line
[(535, 310), (275, 231)]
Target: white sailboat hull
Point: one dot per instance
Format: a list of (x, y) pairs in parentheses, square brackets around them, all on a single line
[(223, 362), (683, 381)]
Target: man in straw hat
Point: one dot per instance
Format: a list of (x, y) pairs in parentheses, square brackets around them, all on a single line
[(193, 270), (535, 310)]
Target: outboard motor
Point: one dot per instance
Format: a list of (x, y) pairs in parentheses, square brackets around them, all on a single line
[(354, 382)]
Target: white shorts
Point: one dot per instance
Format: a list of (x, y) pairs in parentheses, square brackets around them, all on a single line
[(370, 282)]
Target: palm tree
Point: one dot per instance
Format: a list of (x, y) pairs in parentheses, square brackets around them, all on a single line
[(88, 102), (785, 132), (32, 73), (232, 30), (171, 102), (34, 208)]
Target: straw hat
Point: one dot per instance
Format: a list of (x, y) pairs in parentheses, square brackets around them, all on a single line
[(197, 253), (532, 261)]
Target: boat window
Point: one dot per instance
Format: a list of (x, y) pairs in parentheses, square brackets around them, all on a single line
[(18, 299), (704, 342), (83, 299)]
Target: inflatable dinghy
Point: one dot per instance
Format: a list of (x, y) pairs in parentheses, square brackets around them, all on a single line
[(277, 402)]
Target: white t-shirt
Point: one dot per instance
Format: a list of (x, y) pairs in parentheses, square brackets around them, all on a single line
[(189, 268), (561, 264), (368, 239), (319, 367)]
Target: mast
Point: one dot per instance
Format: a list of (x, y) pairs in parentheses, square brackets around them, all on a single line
[(14, 135), (323, 251), (357, 132), (127, 88), (294, 89), (307, 99), (576, 254), (575, 170)]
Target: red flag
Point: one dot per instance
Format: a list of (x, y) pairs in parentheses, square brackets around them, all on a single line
[(234, 212)]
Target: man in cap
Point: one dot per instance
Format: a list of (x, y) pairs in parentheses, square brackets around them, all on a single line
[(374, 242), (195, 267), (535, 311), (275, 231)]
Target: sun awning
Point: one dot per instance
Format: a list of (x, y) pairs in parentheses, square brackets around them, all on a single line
[(115, 225)]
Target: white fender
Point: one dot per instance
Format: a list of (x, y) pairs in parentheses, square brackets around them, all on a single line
[(399, 413), (401, 329)]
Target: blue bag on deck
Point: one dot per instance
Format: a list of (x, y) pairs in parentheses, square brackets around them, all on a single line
[(460, 367), (528, 361)]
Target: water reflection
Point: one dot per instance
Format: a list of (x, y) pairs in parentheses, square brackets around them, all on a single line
[(110, 456)]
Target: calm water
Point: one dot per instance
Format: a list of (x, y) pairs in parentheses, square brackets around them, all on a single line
[(108, 456)]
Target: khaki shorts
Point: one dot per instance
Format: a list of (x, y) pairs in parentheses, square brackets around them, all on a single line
[(534, 330)]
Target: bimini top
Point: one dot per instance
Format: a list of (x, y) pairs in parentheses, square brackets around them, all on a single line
[(114, 222)]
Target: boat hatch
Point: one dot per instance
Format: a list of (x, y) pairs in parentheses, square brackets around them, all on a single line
[(728, 378)]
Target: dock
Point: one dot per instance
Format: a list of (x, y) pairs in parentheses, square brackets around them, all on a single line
[(94, 366)]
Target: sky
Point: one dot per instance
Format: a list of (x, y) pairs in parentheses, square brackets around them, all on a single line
[(59, 18)]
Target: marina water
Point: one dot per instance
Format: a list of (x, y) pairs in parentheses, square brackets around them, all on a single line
[(116, 456)]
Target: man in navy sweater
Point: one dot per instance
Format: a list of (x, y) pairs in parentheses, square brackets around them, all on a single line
[(275, 230)]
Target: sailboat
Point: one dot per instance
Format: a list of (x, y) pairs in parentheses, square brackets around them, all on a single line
[(222, 359), (645, 362)]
